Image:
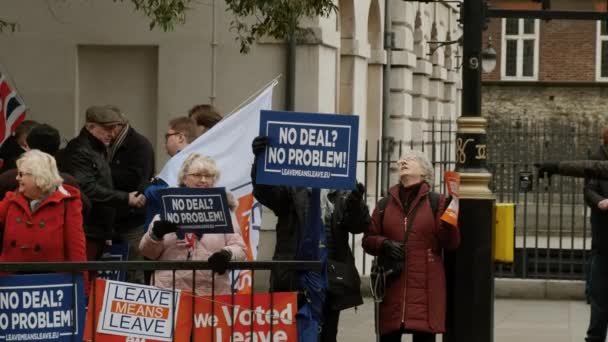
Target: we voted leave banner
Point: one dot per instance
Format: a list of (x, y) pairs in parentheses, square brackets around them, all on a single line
[(197, 210), (42, 307), (128, 312), (271, 317), (309, 149)]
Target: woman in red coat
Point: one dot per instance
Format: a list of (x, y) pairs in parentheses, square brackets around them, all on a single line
[(42, 219), (411, 238)]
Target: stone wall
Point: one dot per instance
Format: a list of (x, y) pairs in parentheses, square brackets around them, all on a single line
[(545, 101)]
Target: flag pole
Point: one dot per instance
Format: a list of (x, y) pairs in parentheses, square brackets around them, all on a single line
[(272, 83)]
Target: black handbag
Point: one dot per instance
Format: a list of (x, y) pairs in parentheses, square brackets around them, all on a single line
[(341, 277)]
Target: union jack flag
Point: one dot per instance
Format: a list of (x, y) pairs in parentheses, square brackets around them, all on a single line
[(12, 109)]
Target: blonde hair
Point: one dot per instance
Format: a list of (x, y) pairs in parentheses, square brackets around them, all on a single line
[(43, 168), (423, 161), (197, 161)]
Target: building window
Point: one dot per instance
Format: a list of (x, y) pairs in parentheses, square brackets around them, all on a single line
[(601, 55), (519, 54)]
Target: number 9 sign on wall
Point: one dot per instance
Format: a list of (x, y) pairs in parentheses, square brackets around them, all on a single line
[(308, 149)]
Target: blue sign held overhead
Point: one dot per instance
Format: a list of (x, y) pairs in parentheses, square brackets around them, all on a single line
[(42, 307), (311, 150), (197, 210)]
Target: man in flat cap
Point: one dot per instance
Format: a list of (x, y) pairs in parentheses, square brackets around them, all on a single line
[(86, 158)]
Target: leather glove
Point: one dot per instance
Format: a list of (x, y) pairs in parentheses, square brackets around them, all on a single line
[(162, 227), (219, 261), (550, 168), (393, 249), (357, 194), (259, 144)]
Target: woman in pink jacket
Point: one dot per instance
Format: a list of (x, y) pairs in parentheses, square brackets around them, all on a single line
[(162, 242)]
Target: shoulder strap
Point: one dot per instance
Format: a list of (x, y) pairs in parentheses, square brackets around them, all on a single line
[(382, 203)]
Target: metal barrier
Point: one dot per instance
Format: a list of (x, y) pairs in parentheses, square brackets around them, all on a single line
[(253, 266)]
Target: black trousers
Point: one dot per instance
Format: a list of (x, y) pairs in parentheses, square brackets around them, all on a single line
[(598, 281), (417, 336), (329, 330)]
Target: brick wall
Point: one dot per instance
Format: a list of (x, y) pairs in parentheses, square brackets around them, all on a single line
[(567, 49)]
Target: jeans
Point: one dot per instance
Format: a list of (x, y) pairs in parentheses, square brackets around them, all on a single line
[(598, 294)]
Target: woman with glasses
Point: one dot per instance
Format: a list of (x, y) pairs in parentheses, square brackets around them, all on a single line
[(408, 237), (42, 219), (164, 241)]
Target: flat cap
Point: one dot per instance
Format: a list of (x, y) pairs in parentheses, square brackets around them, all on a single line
[(104, 115)]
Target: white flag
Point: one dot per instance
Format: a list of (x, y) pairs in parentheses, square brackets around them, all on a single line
[(229, 144)]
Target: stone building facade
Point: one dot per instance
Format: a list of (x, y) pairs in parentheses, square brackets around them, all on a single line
[(70, 54)]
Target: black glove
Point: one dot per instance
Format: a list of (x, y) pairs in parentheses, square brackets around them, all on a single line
[(162, 227), (259, 144), (393, 249), (357, 194), (219, 261), (550, 168)]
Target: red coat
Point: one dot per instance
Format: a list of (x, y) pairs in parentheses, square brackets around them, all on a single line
[(417, 298), (53, 232)]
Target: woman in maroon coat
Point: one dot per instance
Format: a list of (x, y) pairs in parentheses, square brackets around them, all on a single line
[(411, 238)]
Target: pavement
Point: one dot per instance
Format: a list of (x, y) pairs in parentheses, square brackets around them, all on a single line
[(515, 320)]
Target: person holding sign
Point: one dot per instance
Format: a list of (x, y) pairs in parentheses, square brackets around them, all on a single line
[(408, 236), (342, 213), (164, 241), (42, 220)]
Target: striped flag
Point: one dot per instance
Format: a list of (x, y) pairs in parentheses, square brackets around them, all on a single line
[(12, 109)]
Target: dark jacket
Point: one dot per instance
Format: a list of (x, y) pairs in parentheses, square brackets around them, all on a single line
[(132, 167), (417, 296), (584, 168), (290, 205), (8, 182), (84, 158), (595, 191)]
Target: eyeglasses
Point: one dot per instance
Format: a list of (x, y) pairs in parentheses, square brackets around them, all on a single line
[(201, 175), (167, 135), (21, 174)]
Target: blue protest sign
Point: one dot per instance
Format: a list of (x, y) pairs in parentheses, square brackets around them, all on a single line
[(39, 307), (306, 149), (197, 210), (116, 252)]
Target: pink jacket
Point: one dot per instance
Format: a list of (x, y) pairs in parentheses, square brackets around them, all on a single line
[(169, 249)]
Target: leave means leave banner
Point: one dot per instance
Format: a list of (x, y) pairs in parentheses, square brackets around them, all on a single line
[(124, 312)]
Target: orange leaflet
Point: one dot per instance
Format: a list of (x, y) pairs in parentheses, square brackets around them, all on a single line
[(136, 309), (450, 215)]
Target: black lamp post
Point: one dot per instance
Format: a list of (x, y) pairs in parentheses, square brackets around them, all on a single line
[(470, 268)]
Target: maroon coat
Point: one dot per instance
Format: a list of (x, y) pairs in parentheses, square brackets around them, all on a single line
[(417, 298)]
